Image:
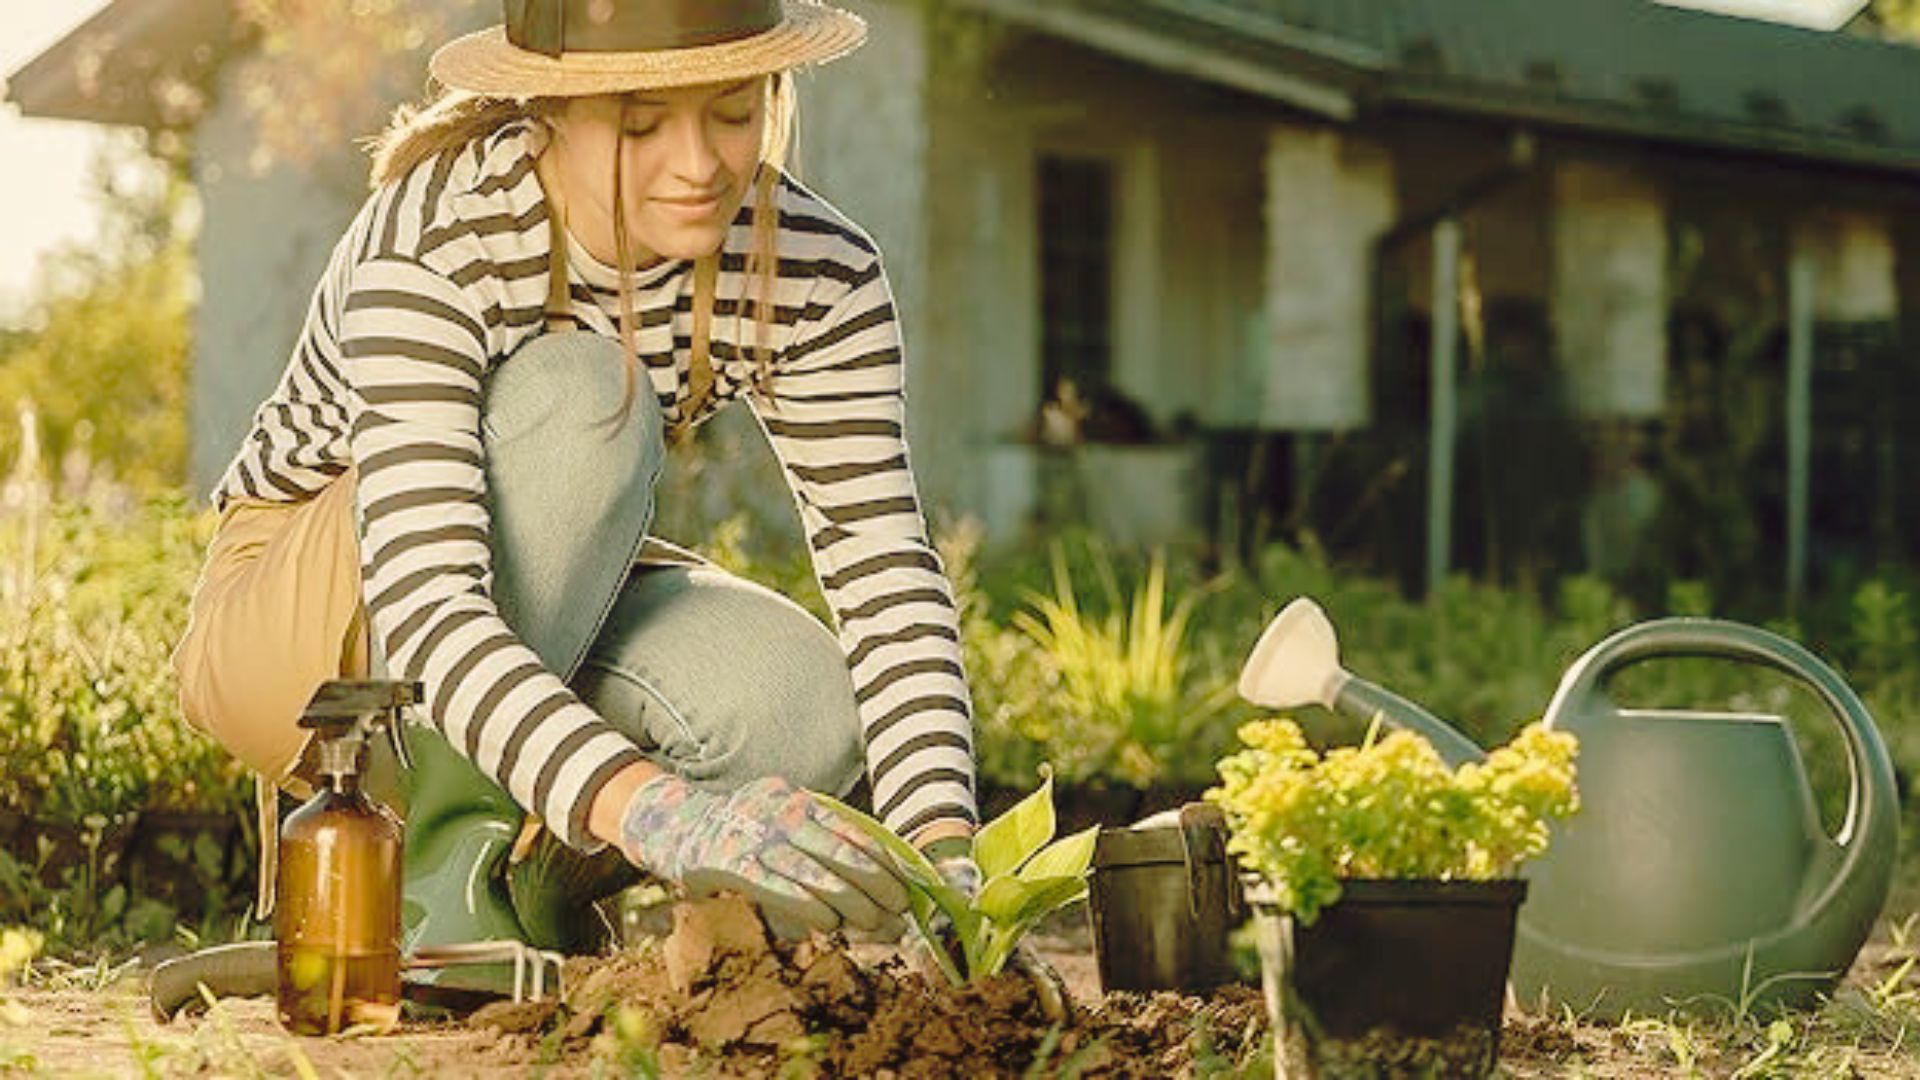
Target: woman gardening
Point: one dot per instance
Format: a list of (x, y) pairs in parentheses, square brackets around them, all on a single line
[(585, 246)]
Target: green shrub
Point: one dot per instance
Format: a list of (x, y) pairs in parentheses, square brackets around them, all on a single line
[(1127, 704), (102, 354), (93, 594), (90, 723)]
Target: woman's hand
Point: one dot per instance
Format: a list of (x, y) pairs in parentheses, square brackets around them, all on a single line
[(770, 841)]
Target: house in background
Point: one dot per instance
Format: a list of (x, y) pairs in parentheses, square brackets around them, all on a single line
[(1496, 285)]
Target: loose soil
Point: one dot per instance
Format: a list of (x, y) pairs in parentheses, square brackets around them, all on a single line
[(718, 998), (715, 998)]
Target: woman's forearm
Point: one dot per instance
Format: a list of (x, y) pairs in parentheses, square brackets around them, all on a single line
[(610, 805)]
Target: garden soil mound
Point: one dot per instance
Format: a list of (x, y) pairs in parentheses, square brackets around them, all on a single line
[(718, 997)]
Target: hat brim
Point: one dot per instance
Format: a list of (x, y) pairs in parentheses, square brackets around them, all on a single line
[(486, 63)]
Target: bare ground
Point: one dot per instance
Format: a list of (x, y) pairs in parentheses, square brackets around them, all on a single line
[(88, 1031)]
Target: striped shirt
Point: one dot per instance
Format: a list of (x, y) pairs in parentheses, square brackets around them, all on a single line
[(443, 274)]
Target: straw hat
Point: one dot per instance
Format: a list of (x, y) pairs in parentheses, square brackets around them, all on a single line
[(572, 48)]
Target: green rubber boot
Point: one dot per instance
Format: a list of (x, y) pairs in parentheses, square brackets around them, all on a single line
[(463, 880), (459, 830), (558, 894)]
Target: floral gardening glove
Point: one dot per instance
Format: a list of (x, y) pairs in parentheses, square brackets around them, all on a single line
[(804, 868), (953, 857)]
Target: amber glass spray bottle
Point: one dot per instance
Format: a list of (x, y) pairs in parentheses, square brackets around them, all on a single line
[(338, 920)]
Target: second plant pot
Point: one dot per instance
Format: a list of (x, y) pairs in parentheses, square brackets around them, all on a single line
[(1162, 900), (1395, 979)]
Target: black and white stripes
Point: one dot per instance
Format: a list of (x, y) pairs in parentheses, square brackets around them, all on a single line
[(442, 275)]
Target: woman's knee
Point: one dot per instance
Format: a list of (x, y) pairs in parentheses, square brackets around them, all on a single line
[(569, 388), (724, 681)]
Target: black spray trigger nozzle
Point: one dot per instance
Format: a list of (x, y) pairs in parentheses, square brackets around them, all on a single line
[(346, 713), (343, 701)]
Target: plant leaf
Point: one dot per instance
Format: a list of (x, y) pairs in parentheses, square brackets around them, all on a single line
[(927, 891), (1049, 895), (1036, 900), (1068, 857), (1011, 839), (1010, 900), (916, 866), (1002, 898)]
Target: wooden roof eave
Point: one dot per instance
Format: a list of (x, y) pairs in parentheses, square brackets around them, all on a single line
[(111, 69), (1465, 98), (1327, 98)]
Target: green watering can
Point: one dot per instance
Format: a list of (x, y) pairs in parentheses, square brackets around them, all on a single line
[(1697, 873)]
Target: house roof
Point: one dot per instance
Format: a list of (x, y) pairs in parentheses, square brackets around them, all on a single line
[(1629, 67), (135, 62)]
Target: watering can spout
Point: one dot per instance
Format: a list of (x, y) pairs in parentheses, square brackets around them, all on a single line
[(1363, 700), (1296, 662)]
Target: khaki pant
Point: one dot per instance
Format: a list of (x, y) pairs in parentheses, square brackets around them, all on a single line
[(276, 613)]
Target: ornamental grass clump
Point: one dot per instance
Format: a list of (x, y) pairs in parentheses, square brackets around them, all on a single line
[(1387, 809)]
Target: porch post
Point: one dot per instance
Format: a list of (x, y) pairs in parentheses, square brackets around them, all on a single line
[(1842, 271), (1443, 420), (1800, 278)]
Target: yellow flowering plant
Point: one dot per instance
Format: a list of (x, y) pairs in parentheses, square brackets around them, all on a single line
[(1388, 808), (18, 947)]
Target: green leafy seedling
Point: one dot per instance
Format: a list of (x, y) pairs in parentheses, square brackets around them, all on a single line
[(1027, 875)]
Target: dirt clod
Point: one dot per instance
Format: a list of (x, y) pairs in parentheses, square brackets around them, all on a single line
[(716, 993), (704, 931)]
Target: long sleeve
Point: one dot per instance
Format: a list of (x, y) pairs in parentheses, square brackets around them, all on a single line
[(835, 416), (414, 353)]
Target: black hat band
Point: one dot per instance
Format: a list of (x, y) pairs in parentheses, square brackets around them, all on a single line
[(555, 27)]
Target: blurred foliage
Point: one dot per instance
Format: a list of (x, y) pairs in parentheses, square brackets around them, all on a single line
[(93, 594), (1096, 675), (1897, 18), (1115, 664), (102, 354), (1126, 697), (325, 73), (1484, 657)]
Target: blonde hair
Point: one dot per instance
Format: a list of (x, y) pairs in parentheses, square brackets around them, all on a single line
[(454, 119)]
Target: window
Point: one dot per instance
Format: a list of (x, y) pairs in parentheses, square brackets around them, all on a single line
[(1076, 273)]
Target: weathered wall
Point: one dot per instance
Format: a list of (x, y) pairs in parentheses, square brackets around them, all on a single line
[(1187, 258), (264, 240), (1330, 194), (1211, 353), (1854, 264), (1610, 296)]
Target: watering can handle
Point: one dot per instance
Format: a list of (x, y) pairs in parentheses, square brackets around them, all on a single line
[(1872, 805)]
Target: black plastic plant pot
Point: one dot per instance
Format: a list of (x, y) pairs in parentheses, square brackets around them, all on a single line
[(1396, 979), (1162, 901)]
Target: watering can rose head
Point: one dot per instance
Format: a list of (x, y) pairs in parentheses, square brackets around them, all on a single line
[(1388, 808)]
